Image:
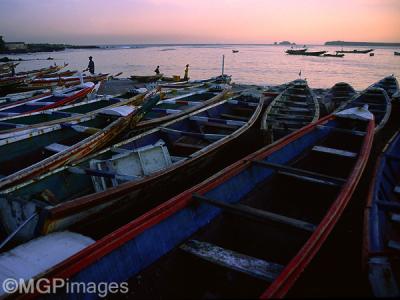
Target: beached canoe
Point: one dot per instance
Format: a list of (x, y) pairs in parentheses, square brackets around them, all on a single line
[(378, 104), (381, 231), (389, 84), (22, 96), (295, 107), (72, 114), (9, 82), (65, 73), (38, 72), (244, 232), (340, 93), (127, 176), (56, 99), (148, 78), (24, 157), (181, 102), (40, 83)]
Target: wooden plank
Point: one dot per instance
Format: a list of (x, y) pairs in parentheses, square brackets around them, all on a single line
[(55, 147), (290, 116), (397, 189), (189, 146), (395, 218), (257, 214), (294, 102), (229, 116), (394, 245), (335, 129), (207, 136), (254, 267), (334, 151), (302, 174), (101, 173)]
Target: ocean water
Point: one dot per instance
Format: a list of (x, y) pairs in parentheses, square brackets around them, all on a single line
[(254, 64)]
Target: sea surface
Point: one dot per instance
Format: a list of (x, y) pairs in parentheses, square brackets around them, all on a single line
[(253, 64)]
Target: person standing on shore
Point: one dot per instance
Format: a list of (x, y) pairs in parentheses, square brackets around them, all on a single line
[(90, 66), (12, 70), (157, 70), (186, 77)]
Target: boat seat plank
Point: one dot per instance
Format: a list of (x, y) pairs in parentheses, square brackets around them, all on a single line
[(235, 123), (294, 102), (187, 145), (287, 121), (296, 109), (55, 147), (254, 267), (291, 116), (229, 116), (395, 218), (302, 174), (341, 130), (220, 125), (334, 151), (296, 95), (100, 173), (397, 189), (394, 245), (258, 214), (207, 136)]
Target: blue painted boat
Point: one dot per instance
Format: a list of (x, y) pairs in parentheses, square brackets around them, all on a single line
[(378, 103), (293, 109), (134, 174), (340, 93), (242, 233), (382, 218), (389, 84), (26, 156), (54, 100), (73, 113)]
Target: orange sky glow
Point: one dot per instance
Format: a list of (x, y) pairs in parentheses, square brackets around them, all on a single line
[(205, 21)]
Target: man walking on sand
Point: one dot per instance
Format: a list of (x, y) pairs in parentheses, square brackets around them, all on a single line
[(90, 66)]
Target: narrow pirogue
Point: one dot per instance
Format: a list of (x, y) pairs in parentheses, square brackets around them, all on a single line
[(379, 105), (131, 173), (382, 217), (340, 93), (389, 84), (294, 108), (244, 232), (23, 158)]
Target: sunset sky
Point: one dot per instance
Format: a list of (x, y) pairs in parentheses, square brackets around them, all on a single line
[(199, 21)]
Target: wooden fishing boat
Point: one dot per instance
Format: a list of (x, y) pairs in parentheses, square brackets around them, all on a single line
[(39, 72), (146, 78), (333, 55), (24, 157), (127, 176), (41, 83), (23, 96), (180, 103), (378, 104), (355, 51), (65, 73), (56, 99), (294, 108), (381, 230), (243, 233), (72, 114), (296, 51), (340, 93), (306, 53), (389, 84), (8, 82)]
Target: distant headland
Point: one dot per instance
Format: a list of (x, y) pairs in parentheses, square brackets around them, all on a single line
[(21, 47), (368, 44)]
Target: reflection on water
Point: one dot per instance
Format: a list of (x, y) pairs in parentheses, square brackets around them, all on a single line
[(253, 64)]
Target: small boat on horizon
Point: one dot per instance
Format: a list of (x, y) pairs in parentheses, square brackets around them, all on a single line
[(355, 51)]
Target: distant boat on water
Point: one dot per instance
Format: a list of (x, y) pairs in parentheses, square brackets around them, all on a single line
[(396, 53), (355, 51), (235, 51)]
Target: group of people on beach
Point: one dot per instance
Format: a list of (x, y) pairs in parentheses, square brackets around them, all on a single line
[(90, 68)]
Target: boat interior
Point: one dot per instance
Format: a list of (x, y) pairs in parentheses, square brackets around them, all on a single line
[(236, 238)]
